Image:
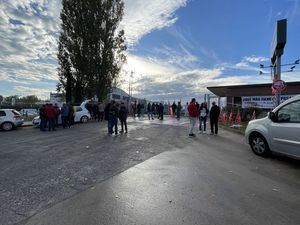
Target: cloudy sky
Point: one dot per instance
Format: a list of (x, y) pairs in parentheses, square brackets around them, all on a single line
[(176, 47)]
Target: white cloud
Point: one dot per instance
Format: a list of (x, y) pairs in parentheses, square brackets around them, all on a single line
[(255, 59), (24, 90), (159, 80), (142, 17), (29, 45)]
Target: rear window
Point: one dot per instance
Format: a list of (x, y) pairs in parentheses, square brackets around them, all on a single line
[(16, 113), (78, 109), (2, 113)]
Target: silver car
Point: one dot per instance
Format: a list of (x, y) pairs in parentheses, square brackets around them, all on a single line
[(278, 132), (10, 119)]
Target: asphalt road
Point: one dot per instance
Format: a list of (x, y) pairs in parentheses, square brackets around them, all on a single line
[(155, 174)]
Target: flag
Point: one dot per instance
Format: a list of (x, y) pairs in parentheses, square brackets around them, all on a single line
[(230, 118), (253, 117), (238, 118)]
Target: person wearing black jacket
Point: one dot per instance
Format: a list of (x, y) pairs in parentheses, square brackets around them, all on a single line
[(161, 111), (214, 118), (150, 111), (123, 113), (43, 118)]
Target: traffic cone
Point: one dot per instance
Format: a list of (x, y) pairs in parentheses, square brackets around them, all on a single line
[(238, 118), (230, 118), (224, 117), (253, 117)]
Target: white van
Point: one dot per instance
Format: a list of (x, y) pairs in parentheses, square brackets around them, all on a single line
[(278, 132)]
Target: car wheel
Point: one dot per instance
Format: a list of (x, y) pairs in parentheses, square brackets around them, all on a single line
[(259, 145), (84, 119), (7, 126)]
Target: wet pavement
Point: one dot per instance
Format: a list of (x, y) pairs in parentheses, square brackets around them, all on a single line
[(153, 175)]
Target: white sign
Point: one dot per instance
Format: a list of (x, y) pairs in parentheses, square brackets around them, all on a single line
[(264, 102)]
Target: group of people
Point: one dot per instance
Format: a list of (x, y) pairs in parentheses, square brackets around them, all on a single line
[(201, 112), (176, 110), (113, 112), (49, 115), (155, 110), (96, 110)]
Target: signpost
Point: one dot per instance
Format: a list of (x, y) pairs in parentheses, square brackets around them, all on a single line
[(279, 41)]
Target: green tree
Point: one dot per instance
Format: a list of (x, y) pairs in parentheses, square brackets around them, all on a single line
[(9, 98), (30, 99), (91, 48)]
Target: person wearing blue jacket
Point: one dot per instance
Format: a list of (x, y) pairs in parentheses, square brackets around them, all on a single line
[(64, 115)]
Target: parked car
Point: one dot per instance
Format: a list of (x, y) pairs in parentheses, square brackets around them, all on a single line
[(278, 132), (10, 119), (82, 115)]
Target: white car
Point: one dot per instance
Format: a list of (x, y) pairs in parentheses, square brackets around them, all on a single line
[(278, 132), (82, 115), (10, 119)]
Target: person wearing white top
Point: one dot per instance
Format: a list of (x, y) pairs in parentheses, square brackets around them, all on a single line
[(186, 111), (203, 116)]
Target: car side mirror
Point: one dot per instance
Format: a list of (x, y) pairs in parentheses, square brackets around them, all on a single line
[(272, 116)]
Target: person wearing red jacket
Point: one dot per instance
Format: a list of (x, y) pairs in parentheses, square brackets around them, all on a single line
[(193, 115), (51, 113)]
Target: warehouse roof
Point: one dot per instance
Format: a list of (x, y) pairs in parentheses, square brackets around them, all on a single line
[(253, 89)]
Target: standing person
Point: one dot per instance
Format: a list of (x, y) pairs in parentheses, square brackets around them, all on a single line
[(95, 111), (64, 115), (161, 111), (193, 115), (113, 118), (153, 109), (178, 110), (123, 113), (149, 110), (106, 116), (214, 118), (143, 106), (157, 110), (89, 107), (174, 107), (101, 112), (51, 113), (186, 111), (139, 107), (203, 116), (57, 113), (134, 108), (71, 115), (43, 118)]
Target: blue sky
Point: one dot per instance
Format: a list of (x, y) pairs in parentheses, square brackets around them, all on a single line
[(176, 47)]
